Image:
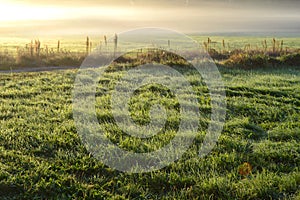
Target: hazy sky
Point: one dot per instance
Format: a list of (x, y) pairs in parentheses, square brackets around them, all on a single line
[(35, 17)]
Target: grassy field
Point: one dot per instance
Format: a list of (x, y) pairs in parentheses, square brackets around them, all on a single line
[(42, 156), (78, 43)]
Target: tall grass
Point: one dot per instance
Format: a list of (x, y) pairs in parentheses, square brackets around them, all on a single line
[(36, 54)]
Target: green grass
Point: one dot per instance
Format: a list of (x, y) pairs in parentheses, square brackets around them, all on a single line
[(42, 156), (239, 42), (78, 43)]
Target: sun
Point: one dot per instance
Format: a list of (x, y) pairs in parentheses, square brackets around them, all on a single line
[(23, 12), (20, 12)]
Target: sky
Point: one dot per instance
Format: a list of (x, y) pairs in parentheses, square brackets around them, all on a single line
[(74, 17)]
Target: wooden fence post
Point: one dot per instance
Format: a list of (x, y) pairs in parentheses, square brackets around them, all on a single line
[(58, 46), (87, 45)]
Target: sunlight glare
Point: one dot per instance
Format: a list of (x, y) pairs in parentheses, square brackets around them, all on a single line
[(19, 12), (10, 12)]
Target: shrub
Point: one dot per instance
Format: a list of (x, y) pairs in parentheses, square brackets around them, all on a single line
[(217, 55), (291, 59), (27, 60), (63, 61), (247, 61), (6, 61)]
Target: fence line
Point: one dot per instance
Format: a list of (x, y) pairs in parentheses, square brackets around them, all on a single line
[(35, 47)]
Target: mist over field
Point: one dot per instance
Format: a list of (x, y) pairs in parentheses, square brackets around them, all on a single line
[(149, 99), (31, 17)]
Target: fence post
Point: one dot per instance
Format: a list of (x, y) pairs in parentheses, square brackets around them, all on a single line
[(105, 42), (274, 45), (115, 44), (87, 45), (58, 46), (31, 48)]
